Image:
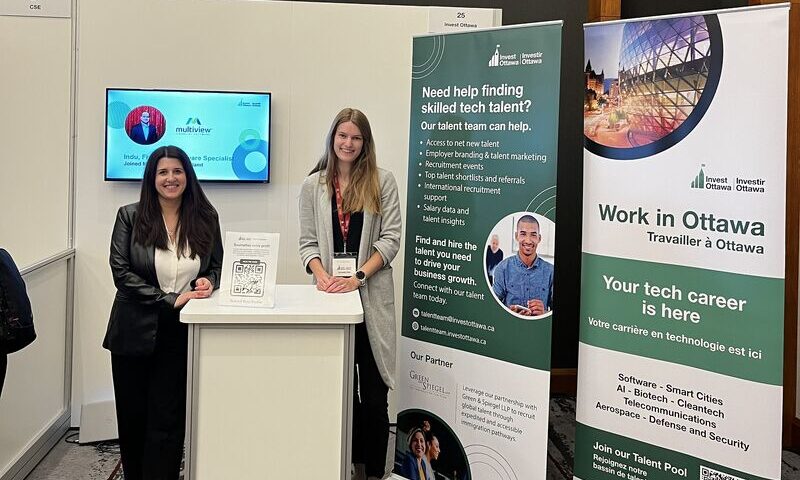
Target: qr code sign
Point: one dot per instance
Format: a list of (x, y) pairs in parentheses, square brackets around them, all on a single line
[(249, 277), (711, 474)]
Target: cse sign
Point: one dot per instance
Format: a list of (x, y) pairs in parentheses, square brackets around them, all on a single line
[(36, 8)]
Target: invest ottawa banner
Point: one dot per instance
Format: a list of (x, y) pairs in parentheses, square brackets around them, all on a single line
[(681, 327), (474, 357)]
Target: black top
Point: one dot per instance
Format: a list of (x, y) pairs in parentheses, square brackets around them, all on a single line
[(140, 302), (492, 259), (353, 235)]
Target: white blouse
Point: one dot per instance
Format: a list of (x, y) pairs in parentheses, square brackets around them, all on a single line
[(175, 273)]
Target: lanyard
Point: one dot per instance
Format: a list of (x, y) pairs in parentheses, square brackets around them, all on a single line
[(344, 218)]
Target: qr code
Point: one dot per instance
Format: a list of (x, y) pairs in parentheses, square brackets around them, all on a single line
[(711, 474), (249, 277)]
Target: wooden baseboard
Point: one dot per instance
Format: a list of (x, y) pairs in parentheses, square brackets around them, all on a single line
[(564, 381)]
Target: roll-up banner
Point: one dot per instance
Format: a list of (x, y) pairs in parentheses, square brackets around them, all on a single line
[(474, 357), (681, 328)]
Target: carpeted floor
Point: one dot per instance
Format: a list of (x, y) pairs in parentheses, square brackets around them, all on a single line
[(70, 461), (561, 438)]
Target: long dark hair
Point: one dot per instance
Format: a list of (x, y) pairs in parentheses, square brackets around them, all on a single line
[(364, 191), (196, 218)]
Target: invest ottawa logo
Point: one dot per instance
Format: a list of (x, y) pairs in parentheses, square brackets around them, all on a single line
[(243, 103), (743, 184), (700, 180), (499, 59)]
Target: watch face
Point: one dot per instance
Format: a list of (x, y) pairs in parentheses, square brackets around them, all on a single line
[(361, 275)]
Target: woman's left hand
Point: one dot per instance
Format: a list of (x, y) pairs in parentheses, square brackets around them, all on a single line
[(203, 285), (342, 285)]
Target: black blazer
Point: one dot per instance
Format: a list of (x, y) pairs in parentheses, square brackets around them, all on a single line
[(16, 315), (139, 301)]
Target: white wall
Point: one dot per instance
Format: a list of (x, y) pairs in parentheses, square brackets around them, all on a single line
[(315, 58), (35, 59), (34, 136)]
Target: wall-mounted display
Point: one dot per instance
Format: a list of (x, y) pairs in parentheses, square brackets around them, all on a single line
[(226, 134)]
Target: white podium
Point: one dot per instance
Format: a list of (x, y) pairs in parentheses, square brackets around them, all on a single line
[(269, 391)]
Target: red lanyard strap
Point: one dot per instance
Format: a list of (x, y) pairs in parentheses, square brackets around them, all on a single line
[(344, 218)]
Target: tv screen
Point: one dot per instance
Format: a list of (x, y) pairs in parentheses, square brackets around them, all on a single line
[(226, 134)]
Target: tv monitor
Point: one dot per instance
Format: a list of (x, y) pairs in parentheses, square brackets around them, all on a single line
[(226, 134)]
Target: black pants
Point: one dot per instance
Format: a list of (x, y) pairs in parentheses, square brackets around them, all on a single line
[(370, 409), (150, 394), (3, 366)]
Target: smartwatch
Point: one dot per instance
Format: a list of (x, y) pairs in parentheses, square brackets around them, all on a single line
[(361, 277)]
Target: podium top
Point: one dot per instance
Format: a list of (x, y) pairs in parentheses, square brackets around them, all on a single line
[(294, 304)]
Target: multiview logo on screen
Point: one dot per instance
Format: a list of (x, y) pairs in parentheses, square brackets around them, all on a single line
[(525, 58), (191, 129)]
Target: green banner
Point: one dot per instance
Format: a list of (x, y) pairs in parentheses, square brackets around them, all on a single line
[(482, 149), (480, 238), (701, 318)]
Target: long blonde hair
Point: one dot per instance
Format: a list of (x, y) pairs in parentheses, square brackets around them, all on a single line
[(364, 191)]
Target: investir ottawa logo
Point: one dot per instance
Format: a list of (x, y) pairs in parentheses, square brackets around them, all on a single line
[(703, 181), (499, 59), (244, 103), (193, 126)]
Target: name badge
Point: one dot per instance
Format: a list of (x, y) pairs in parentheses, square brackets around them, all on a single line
[(344, 264)]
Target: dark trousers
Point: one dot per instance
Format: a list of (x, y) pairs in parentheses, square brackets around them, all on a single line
[(3, 366), (370, 409), (150, 394)]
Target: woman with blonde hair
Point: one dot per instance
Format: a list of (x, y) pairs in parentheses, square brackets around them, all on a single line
[(349, 234)]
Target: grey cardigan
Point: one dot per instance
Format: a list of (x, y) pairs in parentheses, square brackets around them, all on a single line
[(379, 233)]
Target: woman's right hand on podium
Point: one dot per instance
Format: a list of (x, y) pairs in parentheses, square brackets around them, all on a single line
[(184, 298), (324, 281)]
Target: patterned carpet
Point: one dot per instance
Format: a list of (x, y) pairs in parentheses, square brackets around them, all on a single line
[(561, 438), (118, 474)]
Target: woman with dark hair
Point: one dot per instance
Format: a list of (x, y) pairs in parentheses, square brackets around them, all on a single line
[(165, 251), (415, 464), (349, 234), (432, 449)]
